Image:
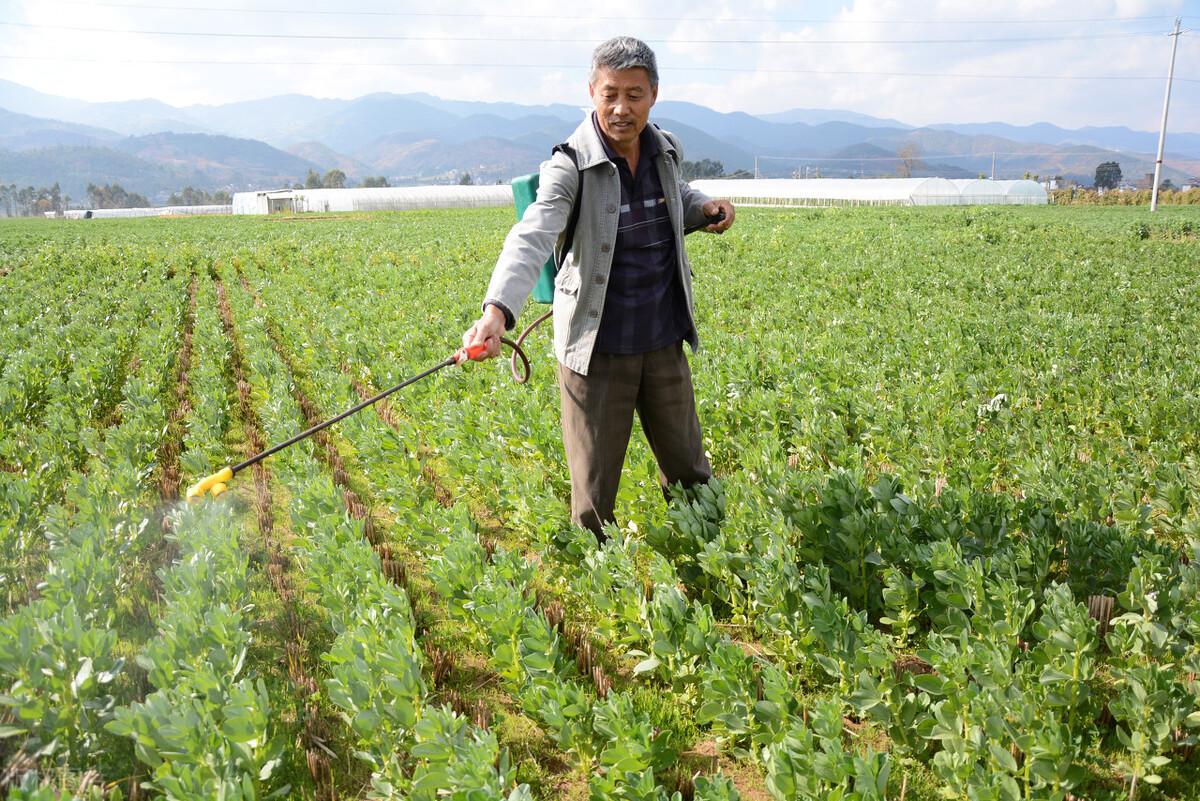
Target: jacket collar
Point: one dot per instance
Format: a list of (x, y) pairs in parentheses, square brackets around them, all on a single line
[(589, 150)]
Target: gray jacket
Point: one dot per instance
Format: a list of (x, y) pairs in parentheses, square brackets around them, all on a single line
[(582, 281)]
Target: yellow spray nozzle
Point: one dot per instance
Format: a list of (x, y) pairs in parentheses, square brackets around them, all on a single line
[(215, 484)]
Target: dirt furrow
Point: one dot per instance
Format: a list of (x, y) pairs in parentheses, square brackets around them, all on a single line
[(316, 728)]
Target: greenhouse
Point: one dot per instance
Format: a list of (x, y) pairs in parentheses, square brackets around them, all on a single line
[(1028, 193), (871, 191), (395, 198), (154, 211), (984, 191)]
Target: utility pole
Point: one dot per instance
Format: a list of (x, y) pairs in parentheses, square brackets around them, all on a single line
[(756, 166), (1162, 131), (993, 165)]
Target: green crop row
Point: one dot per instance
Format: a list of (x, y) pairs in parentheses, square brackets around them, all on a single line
[(58, 652)]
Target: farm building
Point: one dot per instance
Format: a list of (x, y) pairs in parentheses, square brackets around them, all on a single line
[(393, 198), (871, 191)]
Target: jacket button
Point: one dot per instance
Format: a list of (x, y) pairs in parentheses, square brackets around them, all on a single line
[(593, 313), (599, 279), (611, 208), (604, 248)]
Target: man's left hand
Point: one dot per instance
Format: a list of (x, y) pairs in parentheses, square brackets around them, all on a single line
[(711, 208)]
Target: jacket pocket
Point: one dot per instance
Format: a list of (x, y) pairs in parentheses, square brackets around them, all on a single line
[(567, 282)]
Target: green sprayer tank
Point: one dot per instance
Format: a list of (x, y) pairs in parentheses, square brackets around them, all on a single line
[(525, 192)]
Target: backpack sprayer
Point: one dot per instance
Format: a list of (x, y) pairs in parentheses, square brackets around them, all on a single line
[(524, 193)]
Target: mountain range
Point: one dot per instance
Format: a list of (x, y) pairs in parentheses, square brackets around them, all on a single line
[(154, 148)]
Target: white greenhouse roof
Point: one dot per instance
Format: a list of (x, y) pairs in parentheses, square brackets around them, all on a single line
[(870, 191), (154, 211), (372, 199)]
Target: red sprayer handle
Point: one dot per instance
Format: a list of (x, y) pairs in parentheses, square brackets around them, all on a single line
[(469, 352)]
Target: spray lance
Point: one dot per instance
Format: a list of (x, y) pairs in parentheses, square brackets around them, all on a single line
[(218, 482)]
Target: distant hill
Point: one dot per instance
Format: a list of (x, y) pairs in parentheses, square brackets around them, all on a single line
[(327, 159), (367, 118), (220, 161), (415, 158), (817, 116), (1183, 145), (131, 117), (276, 120), (73, 168), (23, 132), (154, 165), (417, 137)]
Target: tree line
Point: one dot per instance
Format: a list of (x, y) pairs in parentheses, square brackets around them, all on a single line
[(190, 196), (29, 201), (336, 179)]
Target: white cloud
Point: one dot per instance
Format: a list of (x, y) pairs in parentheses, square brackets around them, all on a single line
[(755, 74)]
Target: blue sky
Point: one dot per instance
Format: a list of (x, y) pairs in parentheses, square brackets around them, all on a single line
[(939, 61)]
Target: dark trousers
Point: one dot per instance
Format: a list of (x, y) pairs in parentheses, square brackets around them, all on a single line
[(597, 418)]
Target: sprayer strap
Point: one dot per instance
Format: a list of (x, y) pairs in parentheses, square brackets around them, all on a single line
[(568, 237)]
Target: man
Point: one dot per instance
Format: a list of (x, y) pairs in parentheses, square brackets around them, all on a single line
[(623, 298)]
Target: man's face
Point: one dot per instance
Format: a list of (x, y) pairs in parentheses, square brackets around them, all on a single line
[(622, 99)]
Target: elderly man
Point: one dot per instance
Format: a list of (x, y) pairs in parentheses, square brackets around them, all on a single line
[(623, 298)]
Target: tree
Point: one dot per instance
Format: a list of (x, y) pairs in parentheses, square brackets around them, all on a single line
[(334, 179), (27, 201), (114, 196), (374, 181), (705, 168), (312, 180), (198, 197), (465, 179), (909, 154), (1108, 175)]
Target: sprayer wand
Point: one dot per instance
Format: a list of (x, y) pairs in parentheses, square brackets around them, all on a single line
[(218, 482)]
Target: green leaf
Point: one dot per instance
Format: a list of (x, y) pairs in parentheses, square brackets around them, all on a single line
[(1003, 757), (647, 665)]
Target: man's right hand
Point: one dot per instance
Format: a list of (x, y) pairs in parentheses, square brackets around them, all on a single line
[(487, 330)]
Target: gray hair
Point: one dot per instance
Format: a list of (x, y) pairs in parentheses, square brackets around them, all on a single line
[(624, 53)]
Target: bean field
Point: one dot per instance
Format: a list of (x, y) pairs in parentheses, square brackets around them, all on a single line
[(952, 549)]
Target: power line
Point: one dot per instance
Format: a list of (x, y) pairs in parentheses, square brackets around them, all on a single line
[(292, 12), (590, 40), (545, 66), (927, 157)]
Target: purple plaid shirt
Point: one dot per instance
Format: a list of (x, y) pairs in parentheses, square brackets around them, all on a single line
[(644, 305)]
